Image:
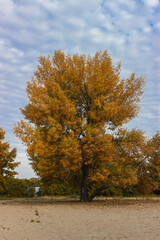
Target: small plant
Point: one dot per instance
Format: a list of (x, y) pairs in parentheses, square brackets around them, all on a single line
[(36, 212)]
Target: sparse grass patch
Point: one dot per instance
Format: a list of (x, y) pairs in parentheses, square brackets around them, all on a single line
[(36, 212), (37, 219)]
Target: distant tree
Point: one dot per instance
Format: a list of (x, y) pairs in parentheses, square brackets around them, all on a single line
[(7, 161), (19, 187), (143, 157), (154, 156), (149, 174), (73, 103), (130, 152)]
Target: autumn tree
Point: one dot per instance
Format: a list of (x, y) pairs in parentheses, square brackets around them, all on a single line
[(74, 104), (7, 161), (149, 171), (153, 146), (131, 158), (138, 160)]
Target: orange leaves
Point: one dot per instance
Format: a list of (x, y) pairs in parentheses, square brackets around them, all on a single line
[(123, 175), (90, 85), (25, 132), (53, 133), (72, 101), (2, 134), (96, 146), (97, 103), (70, 154), (100, 176), (48, 100), (132, 163), (153, 152), (7, 163), (110, 109), (130, 148), (40, 148)]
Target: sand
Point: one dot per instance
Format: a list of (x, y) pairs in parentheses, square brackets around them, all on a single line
[(103, 220)]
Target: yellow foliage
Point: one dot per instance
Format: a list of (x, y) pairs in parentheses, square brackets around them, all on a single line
[(7, 163), (72, 101)]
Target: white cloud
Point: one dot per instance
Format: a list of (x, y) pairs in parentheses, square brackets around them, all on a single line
[(147, 29), (3, 101), (52, 5), (151, 3), (9, 52), (96, 35), (75, 21), (157, 25), (27, 68), (129, 4), (7, 7)]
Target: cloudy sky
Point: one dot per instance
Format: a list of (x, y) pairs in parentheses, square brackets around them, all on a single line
[(129, 30)]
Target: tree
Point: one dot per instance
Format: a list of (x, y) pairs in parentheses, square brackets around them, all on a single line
[(154, 156), (152, 181), (74, 104), (7, 164), (131, 157), (139, 158), (19, 188)]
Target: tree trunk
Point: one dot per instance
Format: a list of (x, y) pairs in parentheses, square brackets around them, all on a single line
[(84, 186), (98, 191)]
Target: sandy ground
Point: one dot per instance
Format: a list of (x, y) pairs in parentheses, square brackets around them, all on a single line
[(102, 220)]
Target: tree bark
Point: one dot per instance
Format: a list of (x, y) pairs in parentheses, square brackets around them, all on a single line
[(98, 191), (84, 186)]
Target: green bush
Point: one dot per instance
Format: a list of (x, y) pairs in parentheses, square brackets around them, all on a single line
[(112, 192), (58, 189), (19, 188)]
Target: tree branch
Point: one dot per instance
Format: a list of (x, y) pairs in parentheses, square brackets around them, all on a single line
[(99, 190), (137, 164)]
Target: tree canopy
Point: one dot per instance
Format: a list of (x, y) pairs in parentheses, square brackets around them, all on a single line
[(7, 161), (75, 102)]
